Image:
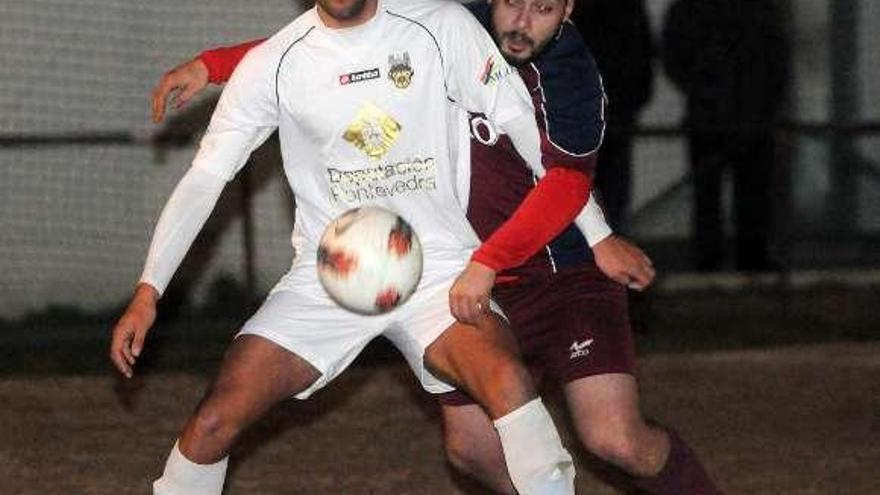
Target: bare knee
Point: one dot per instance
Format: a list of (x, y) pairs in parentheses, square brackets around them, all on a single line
[(210, 432), (503, 385), (628, 448), (482, 360), (615, 447)]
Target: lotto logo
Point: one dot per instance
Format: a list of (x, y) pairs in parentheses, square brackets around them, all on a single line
[(355, 77)]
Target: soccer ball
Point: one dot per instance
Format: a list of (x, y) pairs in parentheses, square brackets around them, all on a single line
[(369, 260)]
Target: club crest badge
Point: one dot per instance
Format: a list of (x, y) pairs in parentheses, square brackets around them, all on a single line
[(400, 70)]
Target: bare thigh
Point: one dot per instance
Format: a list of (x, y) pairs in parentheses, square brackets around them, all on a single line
[(484, 361), (599, 400)]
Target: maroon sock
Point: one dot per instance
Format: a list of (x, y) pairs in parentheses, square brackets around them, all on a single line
[(683, 474)]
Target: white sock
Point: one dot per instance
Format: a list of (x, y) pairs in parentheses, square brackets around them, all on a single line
[(536, 460), (184, 477)]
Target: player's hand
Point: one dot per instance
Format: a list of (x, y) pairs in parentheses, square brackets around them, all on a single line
[(624, 262), (469, 295), (184, 81), (131, 329)]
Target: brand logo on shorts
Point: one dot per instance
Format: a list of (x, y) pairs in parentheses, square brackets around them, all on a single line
[(580, 349), (360, 76)]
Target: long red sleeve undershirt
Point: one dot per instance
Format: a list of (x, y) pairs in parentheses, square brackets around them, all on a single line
[(544, 213), (223, 60)]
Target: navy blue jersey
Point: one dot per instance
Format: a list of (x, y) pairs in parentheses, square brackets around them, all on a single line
[(569, 100)]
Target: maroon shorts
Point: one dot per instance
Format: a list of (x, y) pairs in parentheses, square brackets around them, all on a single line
[(569, 325)]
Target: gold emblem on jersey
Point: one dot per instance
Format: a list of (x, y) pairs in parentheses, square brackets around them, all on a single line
[(400, 70), (373, 131)]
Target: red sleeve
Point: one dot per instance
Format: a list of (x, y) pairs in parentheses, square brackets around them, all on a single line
[(223, 60), (544, 213)]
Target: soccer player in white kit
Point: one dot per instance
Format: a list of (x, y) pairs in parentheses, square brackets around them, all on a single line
[(359, 91)]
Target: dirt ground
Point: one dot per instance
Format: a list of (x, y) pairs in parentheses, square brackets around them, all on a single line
[(802, 420)]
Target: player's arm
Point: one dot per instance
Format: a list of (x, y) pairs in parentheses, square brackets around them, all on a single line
[(559, 196), (559, 141), (560, 144), (619, 259), (186, 80), (245, 116), (552, 205), (624, 262), (556, 201), (571, 123), (479, 80)]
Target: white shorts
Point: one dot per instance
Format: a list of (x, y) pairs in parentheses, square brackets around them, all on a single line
[(299, 316)]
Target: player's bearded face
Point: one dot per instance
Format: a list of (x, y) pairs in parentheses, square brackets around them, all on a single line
[(523, 28), (344, 10)]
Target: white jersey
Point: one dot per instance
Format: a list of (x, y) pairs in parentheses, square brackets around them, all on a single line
[(364, 117)]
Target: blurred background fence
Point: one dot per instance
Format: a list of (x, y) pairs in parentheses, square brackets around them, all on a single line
[(84, 175)]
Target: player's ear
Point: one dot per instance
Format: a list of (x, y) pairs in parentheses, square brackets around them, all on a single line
[(569, 8)]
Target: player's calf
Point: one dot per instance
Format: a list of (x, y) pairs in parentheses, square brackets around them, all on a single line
[(681, 474), (473, 447)]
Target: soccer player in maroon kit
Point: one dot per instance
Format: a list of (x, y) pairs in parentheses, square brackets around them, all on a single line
[(567, 305)]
